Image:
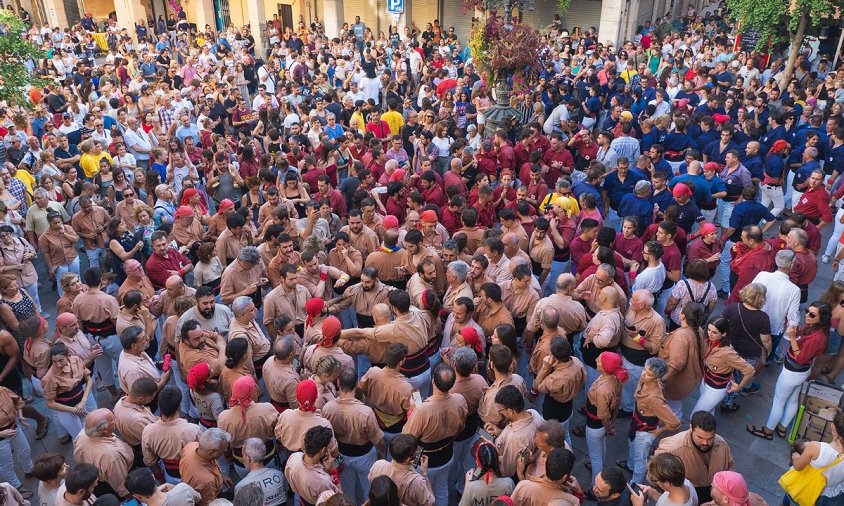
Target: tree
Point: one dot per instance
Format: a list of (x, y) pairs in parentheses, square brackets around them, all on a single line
[(771, 17), (15, 51)]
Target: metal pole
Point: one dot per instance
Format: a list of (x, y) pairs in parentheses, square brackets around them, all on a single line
[(838, 51)]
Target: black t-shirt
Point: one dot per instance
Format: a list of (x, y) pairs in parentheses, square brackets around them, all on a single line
[(218, 111), (369, 68), (746, 325), (55, 103), (407, 131)]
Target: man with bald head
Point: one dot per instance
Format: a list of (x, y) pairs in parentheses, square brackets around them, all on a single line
[(388, 261), (572, 314), (174, 288), (136, 279), (164, 210), (280, 376), (515, 246), (603, 332), (371, 351), (97, 445), (636, 348)]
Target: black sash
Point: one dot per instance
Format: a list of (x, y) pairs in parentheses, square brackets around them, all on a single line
[(439, 453)]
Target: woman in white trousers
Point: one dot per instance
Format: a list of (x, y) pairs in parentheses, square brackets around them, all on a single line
[(719, 361), (805, 344), (67, 389)]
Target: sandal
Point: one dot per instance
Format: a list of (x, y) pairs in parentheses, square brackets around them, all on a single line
[(587, 464), (781, 431), (25, 493), (42, 433), (760, 432)]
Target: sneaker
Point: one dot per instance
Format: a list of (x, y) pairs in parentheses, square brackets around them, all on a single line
[(825, 259), (752, 389)]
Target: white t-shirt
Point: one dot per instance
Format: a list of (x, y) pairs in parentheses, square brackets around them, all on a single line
[(664, 501)]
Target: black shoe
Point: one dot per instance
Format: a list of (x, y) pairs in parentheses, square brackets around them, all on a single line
[(589, 496), (578, 431), (723, 294), (729, 408), (582, 410), (624, 414)]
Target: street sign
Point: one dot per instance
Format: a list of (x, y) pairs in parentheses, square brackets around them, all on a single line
[(395, 6)]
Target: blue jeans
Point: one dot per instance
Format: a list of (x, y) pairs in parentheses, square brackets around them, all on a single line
[(557, 268), (32, 290), (14, 450), (61, 270), (614, 220), (634, 373), (354, 478), (725, 265), (638, 453), (737, 377)]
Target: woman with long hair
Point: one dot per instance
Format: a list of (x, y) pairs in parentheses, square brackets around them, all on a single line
[(828, 365), (485, 483), (805, 343), (719, 361), (681, 351)]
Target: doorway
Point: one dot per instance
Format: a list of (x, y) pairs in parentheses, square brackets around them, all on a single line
[(285, 13)]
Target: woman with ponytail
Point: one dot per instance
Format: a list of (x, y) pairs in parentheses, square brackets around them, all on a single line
[(720, 359), (238, 363), (602, 405), (681, 351), (485, 483)]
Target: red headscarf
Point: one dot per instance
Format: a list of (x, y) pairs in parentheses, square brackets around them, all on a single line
[(330, 329), (190, 192), (198, 375), (779, 146), (306, 394), (243, 389), (733, 485), (612, 364), (472, 339), (65, 319), (313, 308)]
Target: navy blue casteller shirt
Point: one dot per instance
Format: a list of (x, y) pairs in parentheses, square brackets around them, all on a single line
[(748, 212), (632, 205), (688, 214), (702, 192), (616, 189), (662, 199)]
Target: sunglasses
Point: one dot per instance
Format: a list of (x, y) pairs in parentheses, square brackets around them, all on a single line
[(811, 314)]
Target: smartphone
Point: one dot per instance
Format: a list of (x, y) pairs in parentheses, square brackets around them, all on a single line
[(417, 398), (166, 365), (635, 487), (631, 328), (417, 459)]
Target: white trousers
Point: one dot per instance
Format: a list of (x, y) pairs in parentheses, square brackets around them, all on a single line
[(832, 244), (772, 195), (786, 397), (709, 398)]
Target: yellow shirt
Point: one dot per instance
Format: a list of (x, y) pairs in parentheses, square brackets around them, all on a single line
[(361, 122), (395, 120), (26, 178), (91, 164)]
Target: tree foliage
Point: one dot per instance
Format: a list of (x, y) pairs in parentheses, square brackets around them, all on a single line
[(15, 49), (771, 17)]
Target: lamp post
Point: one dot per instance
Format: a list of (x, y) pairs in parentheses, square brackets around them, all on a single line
[(500, 113)]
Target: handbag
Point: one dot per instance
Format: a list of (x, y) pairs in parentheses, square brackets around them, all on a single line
[(805, 486)]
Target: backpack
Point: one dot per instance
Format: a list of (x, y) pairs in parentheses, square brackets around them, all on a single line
[(706, 313)]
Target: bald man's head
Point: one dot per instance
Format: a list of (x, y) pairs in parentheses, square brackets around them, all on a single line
[(609, 297), (381, 313), (174, 283), (566, 283), (99, 423)]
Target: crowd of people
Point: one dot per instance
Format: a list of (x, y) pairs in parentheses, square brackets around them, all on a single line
[(319, 275)]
